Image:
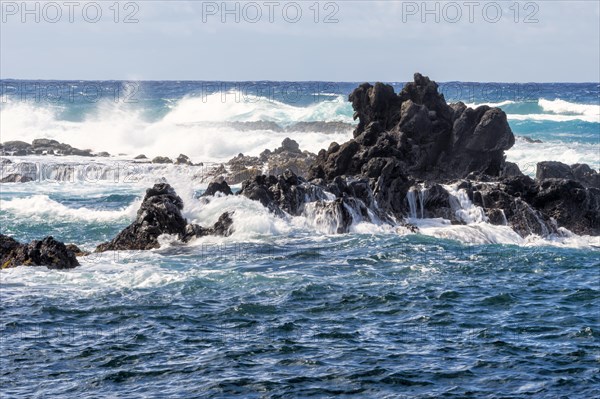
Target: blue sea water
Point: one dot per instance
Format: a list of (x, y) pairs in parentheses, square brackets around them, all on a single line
[(283, 308)]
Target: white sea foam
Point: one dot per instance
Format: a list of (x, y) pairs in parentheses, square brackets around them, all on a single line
[(43, 208), (490, 104), (559, 106), (553, 117), (121, 128), (477, 229), (527, 155), (552, 110)]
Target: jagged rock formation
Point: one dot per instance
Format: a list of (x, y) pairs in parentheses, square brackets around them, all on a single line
[(160, 213), (424, 136), (287, 157), (340, 202), (410, 144), (46, 252), (271, 162)]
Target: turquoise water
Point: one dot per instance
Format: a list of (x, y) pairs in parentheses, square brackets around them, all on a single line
[(282, 309)]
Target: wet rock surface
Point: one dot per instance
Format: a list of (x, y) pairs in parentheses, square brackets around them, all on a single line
[(288, 156), (407, 146), (217, 186), (160, 213), (46, 252)]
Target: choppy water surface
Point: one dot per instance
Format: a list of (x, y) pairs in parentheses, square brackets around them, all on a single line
[(282, 309)]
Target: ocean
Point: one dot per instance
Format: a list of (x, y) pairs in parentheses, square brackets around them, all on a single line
[(283, 308)]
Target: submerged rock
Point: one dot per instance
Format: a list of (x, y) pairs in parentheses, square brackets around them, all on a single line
[(160, 213), (46, 252)]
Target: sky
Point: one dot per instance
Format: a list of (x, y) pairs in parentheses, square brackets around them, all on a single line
[(486, 41)]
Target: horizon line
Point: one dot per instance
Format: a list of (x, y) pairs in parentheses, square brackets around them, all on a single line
[(294, 81)]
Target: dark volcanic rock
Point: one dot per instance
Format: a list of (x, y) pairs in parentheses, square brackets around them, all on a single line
[(76, 250), (160, 213), (217, 186), (290, 194), (511, 170), (581, 173), (17, 148), (553, 170), (437, 203), (290, 145), (407, 145), (585, 175), (223, 227), (273, 162), (141, 156), (41, 147), (320, 126), (376, 103), (162, 160), (183, 160), (571, 204), (530, 140), (417, 128), (15, 178), (261, 189), (540, 207), (46, 252)]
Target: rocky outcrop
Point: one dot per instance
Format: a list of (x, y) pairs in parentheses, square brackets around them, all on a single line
[(341, 202), (580, 173), (288, 156), (16, 147), (417, 128), (223, 227), (407, 146), (540, 206), (46, 252), (217, 186), (44, 147), (161, 160), (15, 178), (183, 160), (76, 250), (160, 213)]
